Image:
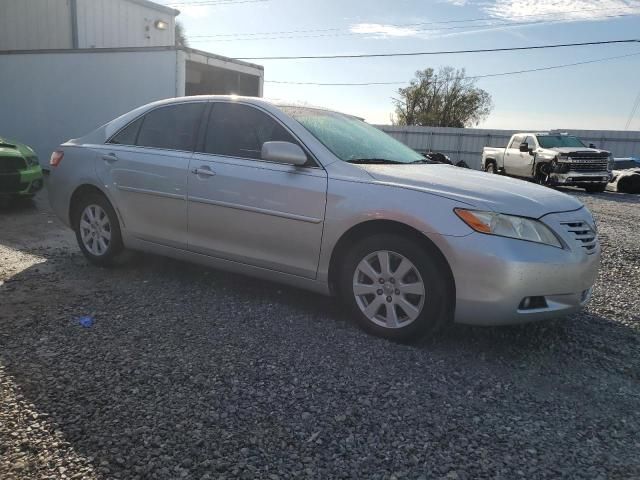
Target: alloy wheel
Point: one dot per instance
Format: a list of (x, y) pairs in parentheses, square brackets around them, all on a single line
[(389, 289), (95, 230)]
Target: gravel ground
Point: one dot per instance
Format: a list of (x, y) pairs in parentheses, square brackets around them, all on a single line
[(193, 373)]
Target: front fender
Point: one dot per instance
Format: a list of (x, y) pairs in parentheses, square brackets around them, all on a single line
[(351, 203)]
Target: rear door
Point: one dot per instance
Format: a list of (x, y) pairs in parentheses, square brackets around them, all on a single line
[(145, 167), (251, 211)]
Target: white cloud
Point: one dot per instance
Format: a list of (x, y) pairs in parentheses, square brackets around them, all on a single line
[(508, 15), (382, 30), (561, 11)]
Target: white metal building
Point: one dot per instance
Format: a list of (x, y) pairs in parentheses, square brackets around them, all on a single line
[(68, 66)]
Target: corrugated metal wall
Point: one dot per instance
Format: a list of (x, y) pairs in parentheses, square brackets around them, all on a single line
[(467, 143), (46, 24), (121, 23), (35, 24), (82, 91)]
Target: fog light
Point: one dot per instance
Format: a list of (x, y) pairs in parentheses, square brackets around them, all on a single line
[(533, 303)]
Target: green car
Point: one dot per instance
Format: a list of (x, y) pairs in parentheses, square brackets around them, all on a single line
[(20, 172)]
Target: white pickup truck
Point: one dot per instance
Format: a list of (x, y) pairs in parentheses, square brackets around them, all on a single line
[(551, 159)]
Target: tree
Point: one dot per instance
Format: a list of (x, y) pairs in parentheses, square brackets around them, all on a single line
[(446, 99), (181, 36)]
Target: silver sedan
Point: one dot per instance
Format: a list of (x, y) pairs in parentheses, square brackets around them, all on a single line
[(323, 201)]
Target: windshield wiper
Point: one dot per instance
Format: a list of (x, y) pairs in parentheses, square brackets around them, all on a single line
[(425, 161), (376, 161)]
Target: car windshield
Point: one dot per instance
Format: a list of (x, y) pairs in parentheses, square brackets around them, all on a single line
[(559, 141), (351, 139)]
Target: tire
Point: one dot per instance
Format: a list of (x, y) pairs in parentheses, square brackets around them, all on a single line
[(596, 188), (491, 167), (423, 307), (629, 184), (623, 185), (100, 240)]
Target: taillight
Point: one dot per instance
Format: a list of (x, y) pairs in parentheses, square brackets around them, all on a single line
[(56, 158)]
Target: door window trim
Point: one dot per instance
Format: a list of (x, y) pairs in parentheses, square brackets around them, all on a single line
[(200, 145)]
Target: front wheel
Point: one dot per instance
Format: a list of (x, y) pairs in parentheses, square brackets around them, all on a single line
[(395, 287), (97, 229), (595, 188)]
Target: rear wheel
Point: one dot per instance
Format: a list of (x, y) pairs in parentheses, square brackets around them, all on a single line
[(491, 167), (97, 229), (596, 188), (395, 288)]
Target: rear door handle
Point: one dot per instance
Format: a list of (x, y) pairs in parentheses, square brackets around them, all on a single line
[(110, 158), (204, 171)]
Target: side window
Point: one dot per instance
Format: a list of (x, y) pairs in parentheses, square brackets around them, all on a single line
[(128, 135), (174, 127), (517, 140), (531, 142), (237, 130)]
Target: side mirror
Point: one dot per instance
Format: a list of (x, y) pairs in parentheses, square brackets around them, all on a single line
[(283, 152), (524, 147)]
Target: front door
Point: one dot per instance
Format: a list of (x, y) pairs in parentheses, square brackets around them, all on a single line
[(247, 210), (513, 157), (145, 167)]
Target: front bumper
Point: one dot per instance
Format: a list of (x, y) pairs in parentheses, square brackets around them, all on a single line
[(580, 178), (494, 275), (23, 182)]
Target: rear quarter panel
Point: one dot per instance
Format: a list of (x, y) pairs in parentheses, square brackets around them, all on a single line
[(77, 168)]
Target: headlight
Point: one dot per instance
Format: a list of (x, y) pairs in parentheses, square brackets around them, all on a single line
[(520, 228), (32, 161)]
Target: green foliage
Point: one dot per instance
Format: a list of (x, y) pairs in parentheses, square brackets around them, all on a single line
[(445, 99)]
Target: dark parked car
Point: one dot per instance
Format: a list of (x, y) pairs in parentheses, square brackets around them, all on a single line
[(626, 175)]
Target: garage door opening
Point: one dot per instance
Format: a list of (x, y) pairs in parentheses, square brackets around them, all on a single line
[(204, 79)]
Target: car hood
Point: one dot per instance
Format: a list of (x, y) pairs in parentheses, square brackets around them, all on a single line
[(480, 190), (10, 148), (627, 171), (568, 150)]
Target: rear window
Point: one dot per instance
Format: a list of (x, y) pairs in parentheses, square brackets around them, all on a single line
[(128, 135), (174, 127)]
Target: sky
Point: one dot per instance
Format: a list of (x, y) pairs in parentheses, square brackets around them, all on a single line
[(593, 96)]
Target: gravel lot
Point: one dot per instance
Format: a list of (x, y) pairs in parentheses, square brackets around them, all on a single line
[(193, 373)]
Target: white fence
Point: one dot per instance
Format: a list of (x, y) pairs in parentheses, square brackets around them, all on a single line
[(467, 143)]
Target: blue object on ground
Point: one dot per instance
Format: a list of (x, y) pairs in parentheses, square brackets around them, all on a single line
[(86, 322)]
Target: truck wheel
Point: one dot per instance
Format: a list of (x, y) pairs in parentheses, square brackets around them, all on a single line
[(542, 174), (491, 167), (596, 188)]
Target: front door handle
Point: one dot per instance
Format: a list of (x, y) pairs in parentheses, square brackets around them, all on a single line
[(204, 171), (111, 157)]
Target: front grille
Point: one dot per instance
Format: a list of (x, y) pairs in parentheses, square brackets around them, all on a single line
[(10, 183), (12, 164), (588, 155), (589, 166), (584, 235)]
